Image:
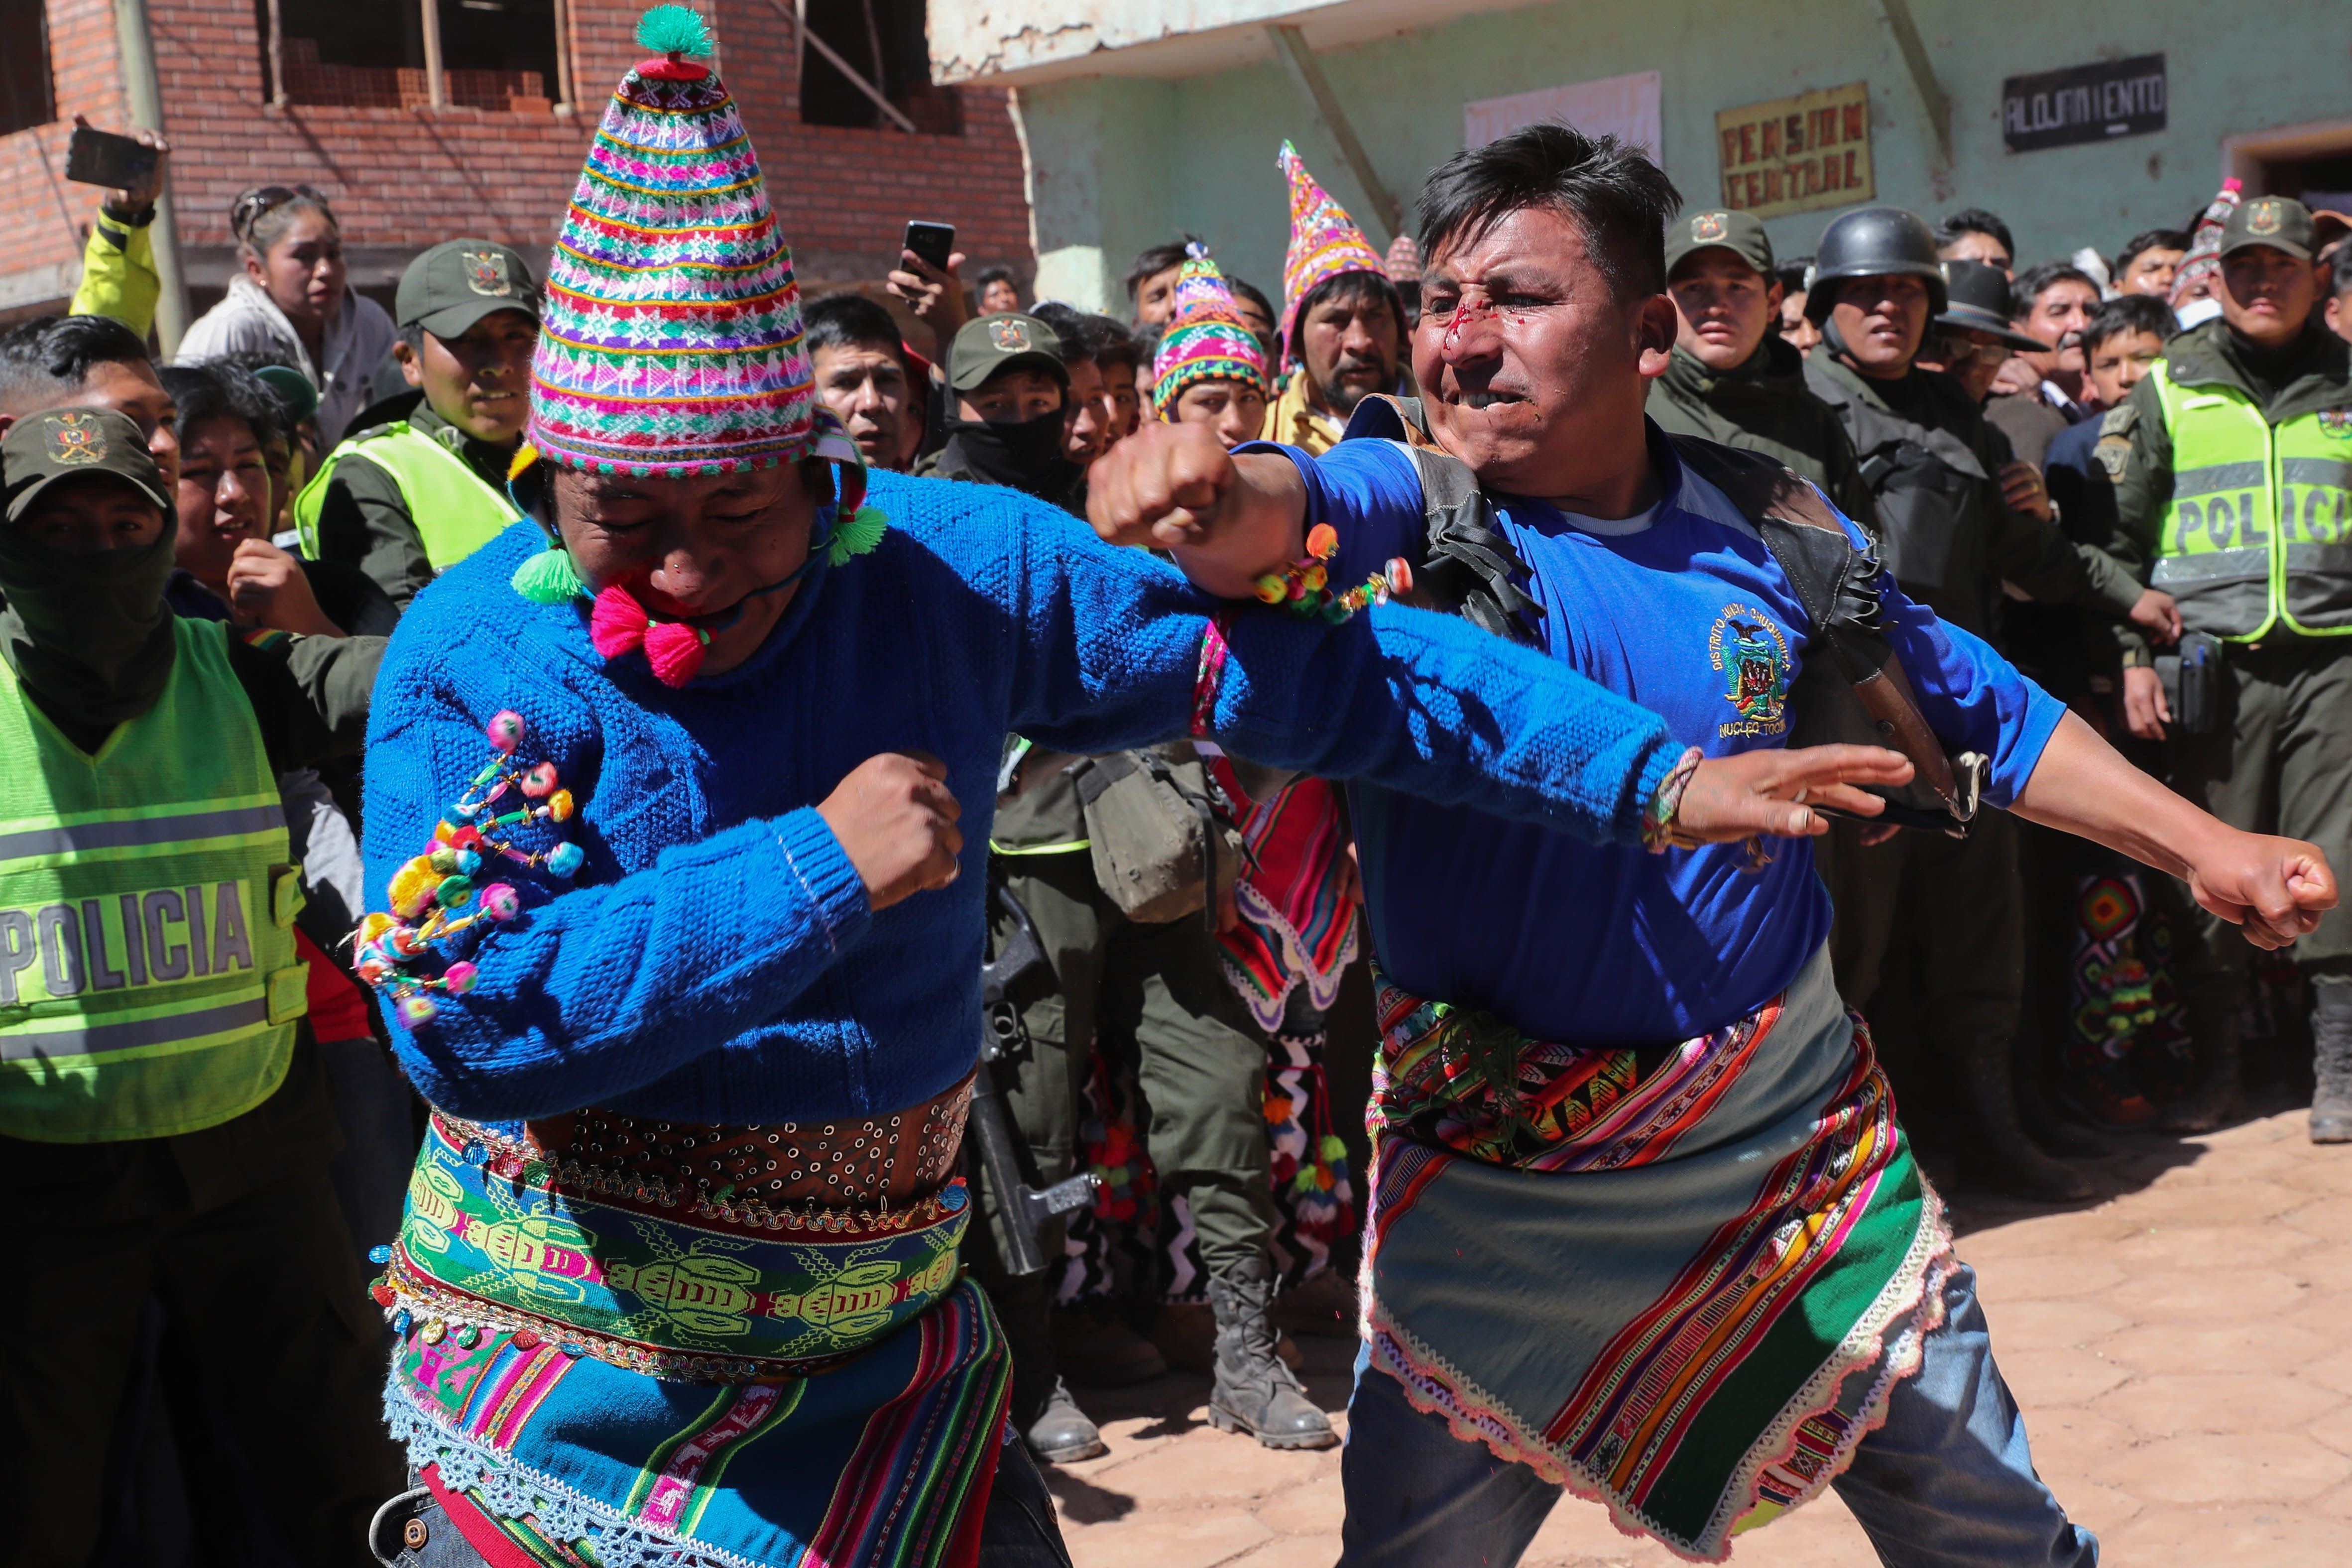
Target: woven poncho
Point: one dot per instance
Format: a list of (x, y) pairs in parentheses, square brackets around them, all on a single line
[(671, 343), (1206, 338)]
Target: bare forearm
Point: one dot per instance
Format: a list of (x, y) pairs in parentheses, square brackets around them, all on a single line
[(2083, 786), (1258, 526)]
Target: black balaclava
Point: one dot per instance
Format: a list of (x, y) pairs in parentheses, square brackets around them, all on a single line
[(1026, 456), (89, 636)]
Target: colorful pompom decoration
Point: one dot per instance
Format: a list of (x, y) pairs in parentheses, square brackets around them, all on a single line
[(1304, 588), (858, 536), (619, 625), (549, 578), (438, 893)]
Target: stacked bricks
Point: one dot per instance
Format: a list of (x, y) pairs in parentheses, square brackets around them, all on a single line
[(402, 179)]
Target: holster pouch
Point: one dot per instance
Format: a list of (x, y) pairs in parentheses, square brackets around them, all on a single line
[(2192, 683), (1159, 851)]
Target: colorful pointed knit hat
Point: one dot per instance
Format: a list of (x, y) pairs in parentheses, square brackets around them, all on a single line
[(1206, 338), (1324, 242), (671, 342)]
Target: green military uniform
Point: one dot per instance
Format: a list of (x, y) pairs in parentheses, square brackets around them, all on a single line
[(164, 1124), (1026, 456), (409, 499), (1954, 909), (2232, 476), (1762, 404)]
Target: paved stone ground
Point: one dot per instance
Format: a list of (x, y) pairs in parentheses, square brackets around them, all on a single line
[(2182, 1352)]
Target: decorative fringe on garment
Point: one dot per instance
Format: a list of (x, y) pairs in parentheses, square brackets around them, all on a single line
[(1298, 925), (1680, 1282)]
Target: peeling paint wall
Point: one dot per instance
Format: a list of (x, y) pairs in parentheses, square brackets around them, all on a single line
[(1121, 162)]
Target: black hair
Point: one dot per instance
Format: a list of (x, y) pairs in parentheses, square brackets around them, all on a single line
[(412, 334), (49, 357), (1974, 220), (262, 214), (2339, 280), (1111, 344), (1618, 198), (849, 320), (216, 389), (1790, 273), (2028, 285), (987, 275), (2152, 239), (1069, 325), (2129, 314), (1153, 261), (1357, 286)]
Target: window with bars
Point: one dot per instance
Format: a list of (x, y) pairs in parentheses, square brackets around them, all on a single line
[(502, 55), (26, 95), (884, 43)]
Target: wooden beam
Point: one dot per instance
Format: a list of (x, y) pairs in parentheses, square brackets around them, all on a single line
[(1290, 47), (562, 51), (808, 34), (1922, 73), (436, 90)]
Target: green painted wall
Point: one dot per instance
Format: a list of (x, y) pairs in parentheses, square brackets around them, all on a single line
[(1120, 163)]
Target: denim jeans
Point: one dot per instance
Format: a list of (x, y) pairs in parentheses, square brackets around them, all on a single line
[(1947, 1483)]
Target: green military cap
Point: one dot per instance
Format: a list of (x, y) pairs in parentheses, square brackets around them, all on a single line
[(458, 282), (293, 390), (1742, 233), (61, 444), (991, 345), (2280, 222)]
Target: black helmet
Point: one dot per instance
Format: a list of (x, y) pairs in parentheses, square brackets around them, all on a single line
[(1873, 242)]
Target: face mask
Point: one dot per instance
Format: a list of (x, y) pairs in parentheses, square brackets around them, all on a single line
[(90, 635), (1027, 455)]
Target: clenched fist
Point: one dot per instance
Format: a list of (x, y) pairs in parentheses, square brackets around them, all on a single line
[(896, 819), (1225, 518)]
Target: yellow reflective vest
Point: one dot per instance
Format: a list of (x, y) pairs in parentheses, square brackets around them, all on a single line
[(148, 979), (2256, 539), (456, 510)]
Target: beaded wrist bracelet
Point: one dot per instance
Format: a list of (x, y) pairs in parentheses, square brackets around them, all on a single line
[(1304, 587), (1660, 832)]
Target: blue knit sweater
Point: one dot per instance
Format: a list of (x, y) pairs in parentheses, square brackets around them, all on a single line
[(715, 961)]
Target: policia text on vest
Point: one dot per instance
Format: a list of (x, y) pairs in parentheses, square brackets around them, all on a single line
[(149, 984), (2253, 538)]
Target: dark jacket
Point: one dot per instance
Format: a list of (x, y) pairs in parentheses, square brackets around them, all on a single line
[(1951, 541), (1065, 486), (1764, 407), (2134, 449)]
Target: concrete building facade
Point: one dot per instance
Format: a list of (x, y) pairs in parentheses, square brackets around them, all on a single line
[(1147, 121), (497, 156)]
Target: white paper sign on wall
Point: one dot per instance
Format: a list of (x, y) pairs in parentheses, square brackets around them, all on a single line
[(1625, 106)]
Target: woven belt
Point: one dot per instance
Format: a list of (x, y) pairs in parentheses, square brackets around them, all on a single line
[(683, 1252)]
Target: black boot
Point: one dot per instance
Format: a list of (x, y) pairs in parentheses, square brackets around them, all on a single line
[(2331, 1060), (2217, 1028), (1998, 1154), (1062, 1434), (1254, 1393)]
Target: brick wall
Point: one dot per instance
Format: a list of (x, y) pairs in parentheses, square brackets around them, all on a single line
[(403, 179)]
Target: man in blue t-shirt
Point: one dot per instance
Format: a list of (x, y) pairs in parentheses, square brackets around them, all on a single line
[(1643, 1225)]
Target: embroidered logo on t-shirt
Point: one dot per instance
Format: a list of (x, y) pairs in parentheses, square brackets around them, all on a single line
[(1746, 648)]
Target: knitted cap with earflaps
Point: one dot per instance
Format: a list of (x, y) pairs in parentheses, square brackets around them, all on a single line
[(1206, 339), (1324, 243), (671, 340)]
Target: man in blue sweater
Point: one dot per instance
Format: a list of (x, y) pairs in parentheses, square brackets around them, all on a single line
[(1643, 1226), (689, 966)]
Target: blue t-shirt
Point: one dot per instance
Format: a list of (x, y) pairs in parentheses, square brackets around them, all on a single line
[(1692, 618)]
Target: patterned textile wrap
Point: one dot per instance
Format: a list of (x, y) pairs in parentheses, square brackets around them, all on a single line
[(1297, 927), (607, 1357), (1680, 1281)]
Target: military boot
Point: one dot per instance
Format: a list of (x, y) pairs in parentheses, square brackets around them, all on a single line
[(2216, 1027), (2331, 1043), (1062, 1434), (1254, 1391), (1998, 1154)]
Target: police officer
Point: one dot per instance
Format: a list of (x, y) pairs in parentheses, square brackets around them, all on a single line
[(1733, 378), (2232, 470), (1952, 536), (164, 1124), (409, 499), (1008, 419)]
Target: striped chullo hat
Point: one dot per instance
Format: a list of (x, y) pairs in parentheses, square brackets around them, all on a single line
[(1324, 243), (1206, 338), (671, 340)]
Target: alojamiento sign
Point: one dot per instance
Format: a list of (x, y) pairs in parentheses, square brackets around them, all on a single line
[(2083, 103)]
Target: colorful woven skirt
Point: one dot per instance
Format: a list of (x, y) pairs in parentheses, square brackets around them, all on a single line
[(598, 1367), (1682, 1283)]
